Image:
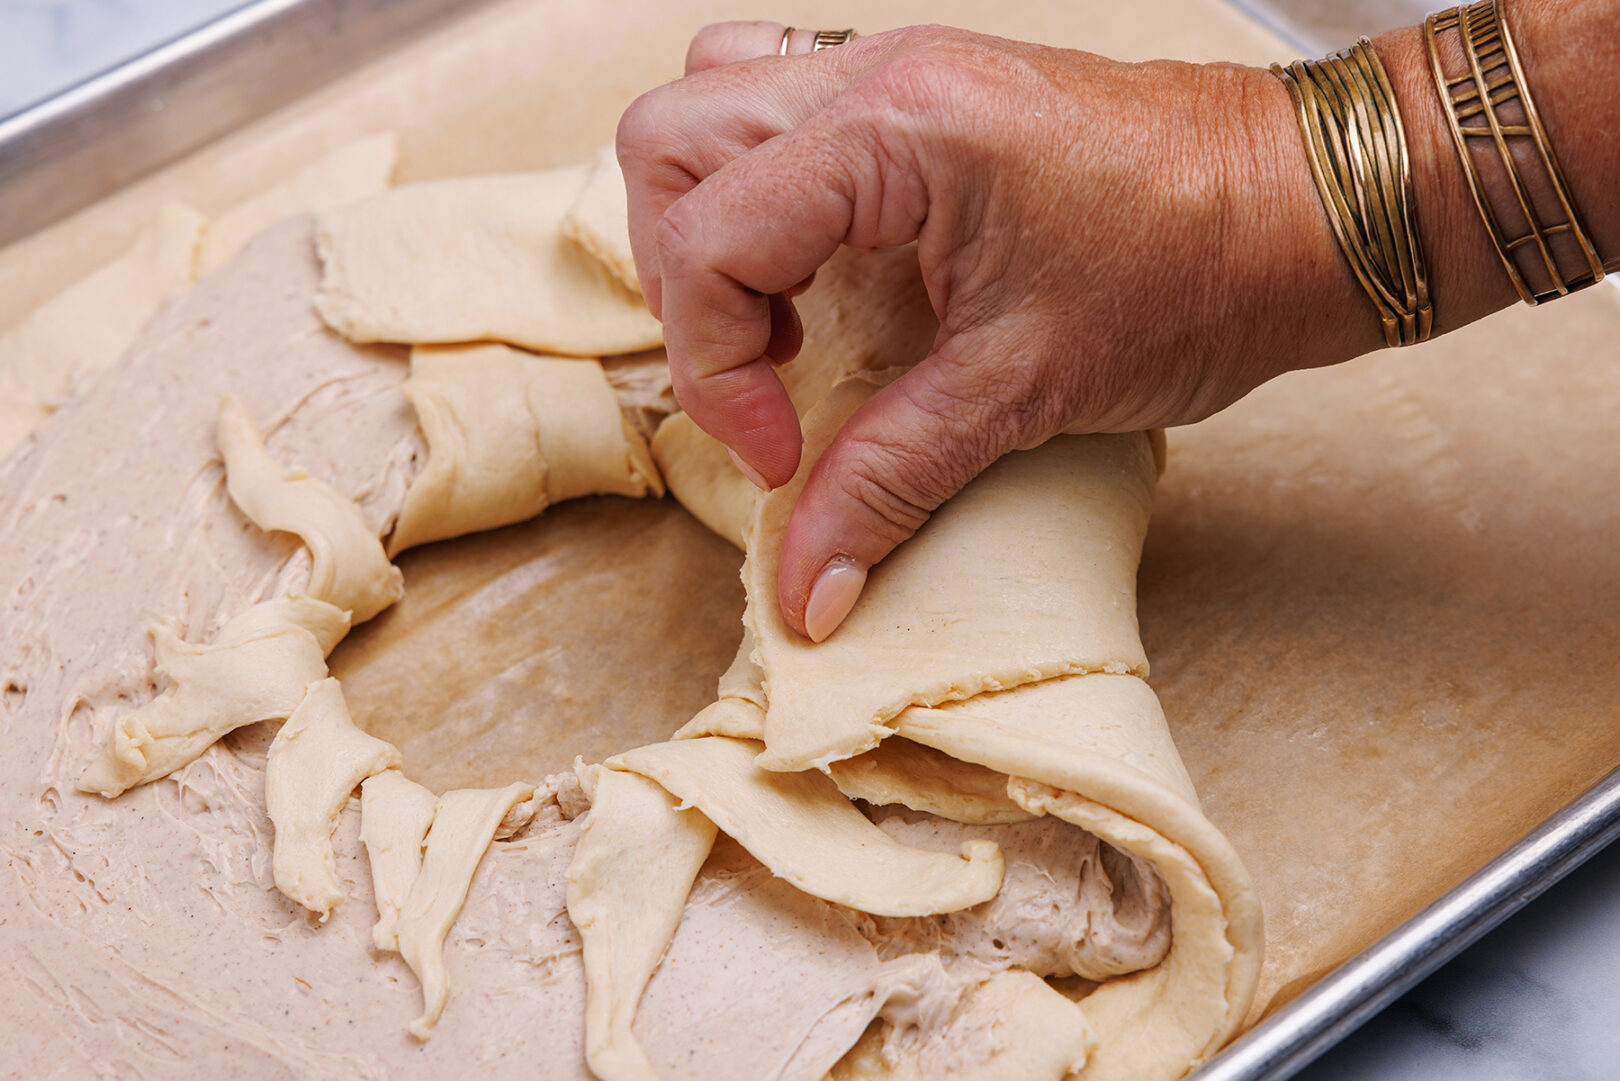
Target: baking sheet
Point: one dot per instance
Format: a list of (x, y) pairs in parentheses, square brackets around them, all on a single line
[(1373, 595)]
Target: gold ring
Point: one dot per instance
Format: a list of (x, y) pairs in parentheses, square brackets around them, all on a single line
[(781, 48), (826, 39)]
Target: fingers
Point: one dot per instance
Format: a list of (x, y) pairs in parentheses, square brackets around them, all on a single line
[(719, 44), (901, 455), (756, 228), (673, 137)]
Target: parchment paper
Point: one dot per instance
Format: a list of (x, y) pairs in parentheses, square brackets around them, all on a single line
[(1381, 601)]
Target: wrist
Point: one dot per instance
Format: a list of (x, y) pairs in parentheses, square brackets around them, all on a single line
[(1466, 280), (1280, 256)]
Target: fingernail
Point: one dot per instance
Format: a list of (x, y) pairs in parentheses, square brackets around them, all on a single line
[(837, 588), (748, 471)]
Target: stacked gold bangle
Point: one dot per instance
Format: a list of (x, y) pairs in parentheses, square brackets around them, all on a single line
[(1357, 149), (1489, 107)]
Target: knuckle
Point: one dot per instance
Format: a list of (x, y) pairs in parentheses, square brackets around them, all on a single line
[(639, 128), (704, 51), (897, 511), (675, 236), (915, 82)]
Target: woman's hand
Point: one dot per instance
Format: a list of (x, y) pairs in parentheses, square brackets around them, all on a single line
[(1108, 247)]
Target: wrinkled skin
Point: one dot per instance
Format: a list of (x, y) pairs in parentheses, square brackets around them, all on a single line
[(1108, 247)]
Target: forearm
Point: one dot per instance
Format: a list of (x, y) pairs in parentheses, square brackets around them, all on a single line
[(1569, 51)]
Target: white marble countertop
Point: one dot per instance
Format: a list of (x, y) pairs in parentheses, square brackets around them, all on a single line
[(1537, 998)]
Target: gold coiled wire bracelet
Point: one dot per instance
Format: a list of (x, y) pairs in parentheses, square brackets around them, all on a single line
[(1489, 110), (1351, 127)]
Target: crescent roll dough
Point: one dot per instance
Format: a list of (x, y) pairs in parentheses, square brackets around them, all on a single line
[(317, 759), (997, 653), (476, 259), (395, 815), (810, 834), (255, 669), (1004, 635), (348, 566), (626, 916), (464, 823), (1029, 572), (599, 220), (509, 433)]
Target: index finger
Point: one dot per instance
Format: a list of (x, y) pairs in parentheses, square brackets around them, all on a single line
[(757, 227), (675, 135)]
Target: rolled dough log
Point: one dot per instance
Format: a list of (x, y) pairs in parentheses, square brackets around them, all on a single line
[(476, 259), (509, 433)]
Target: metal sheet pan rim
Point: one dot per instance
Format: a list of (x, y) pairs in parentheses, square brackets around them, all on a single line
[(1274, 1049)]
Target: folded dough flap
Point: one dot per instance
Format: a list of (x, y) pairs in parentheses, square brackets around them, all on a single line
[(699, 473), (599, 220), (476, 259), (348, 567), (638, 854), (255, 669), (809, 834), (1094, 750), (315, 762), (327, 622), (464, 824), (739, 706), (1028, 573), (509, 433), (896, 771), (395, 814)]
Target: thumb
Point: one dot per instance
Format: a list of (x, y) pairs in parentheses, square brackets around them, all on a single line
[(915, 444)]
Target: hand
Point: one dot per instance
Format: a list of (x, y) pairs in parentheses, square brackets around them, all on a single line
[(1109, 247)]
